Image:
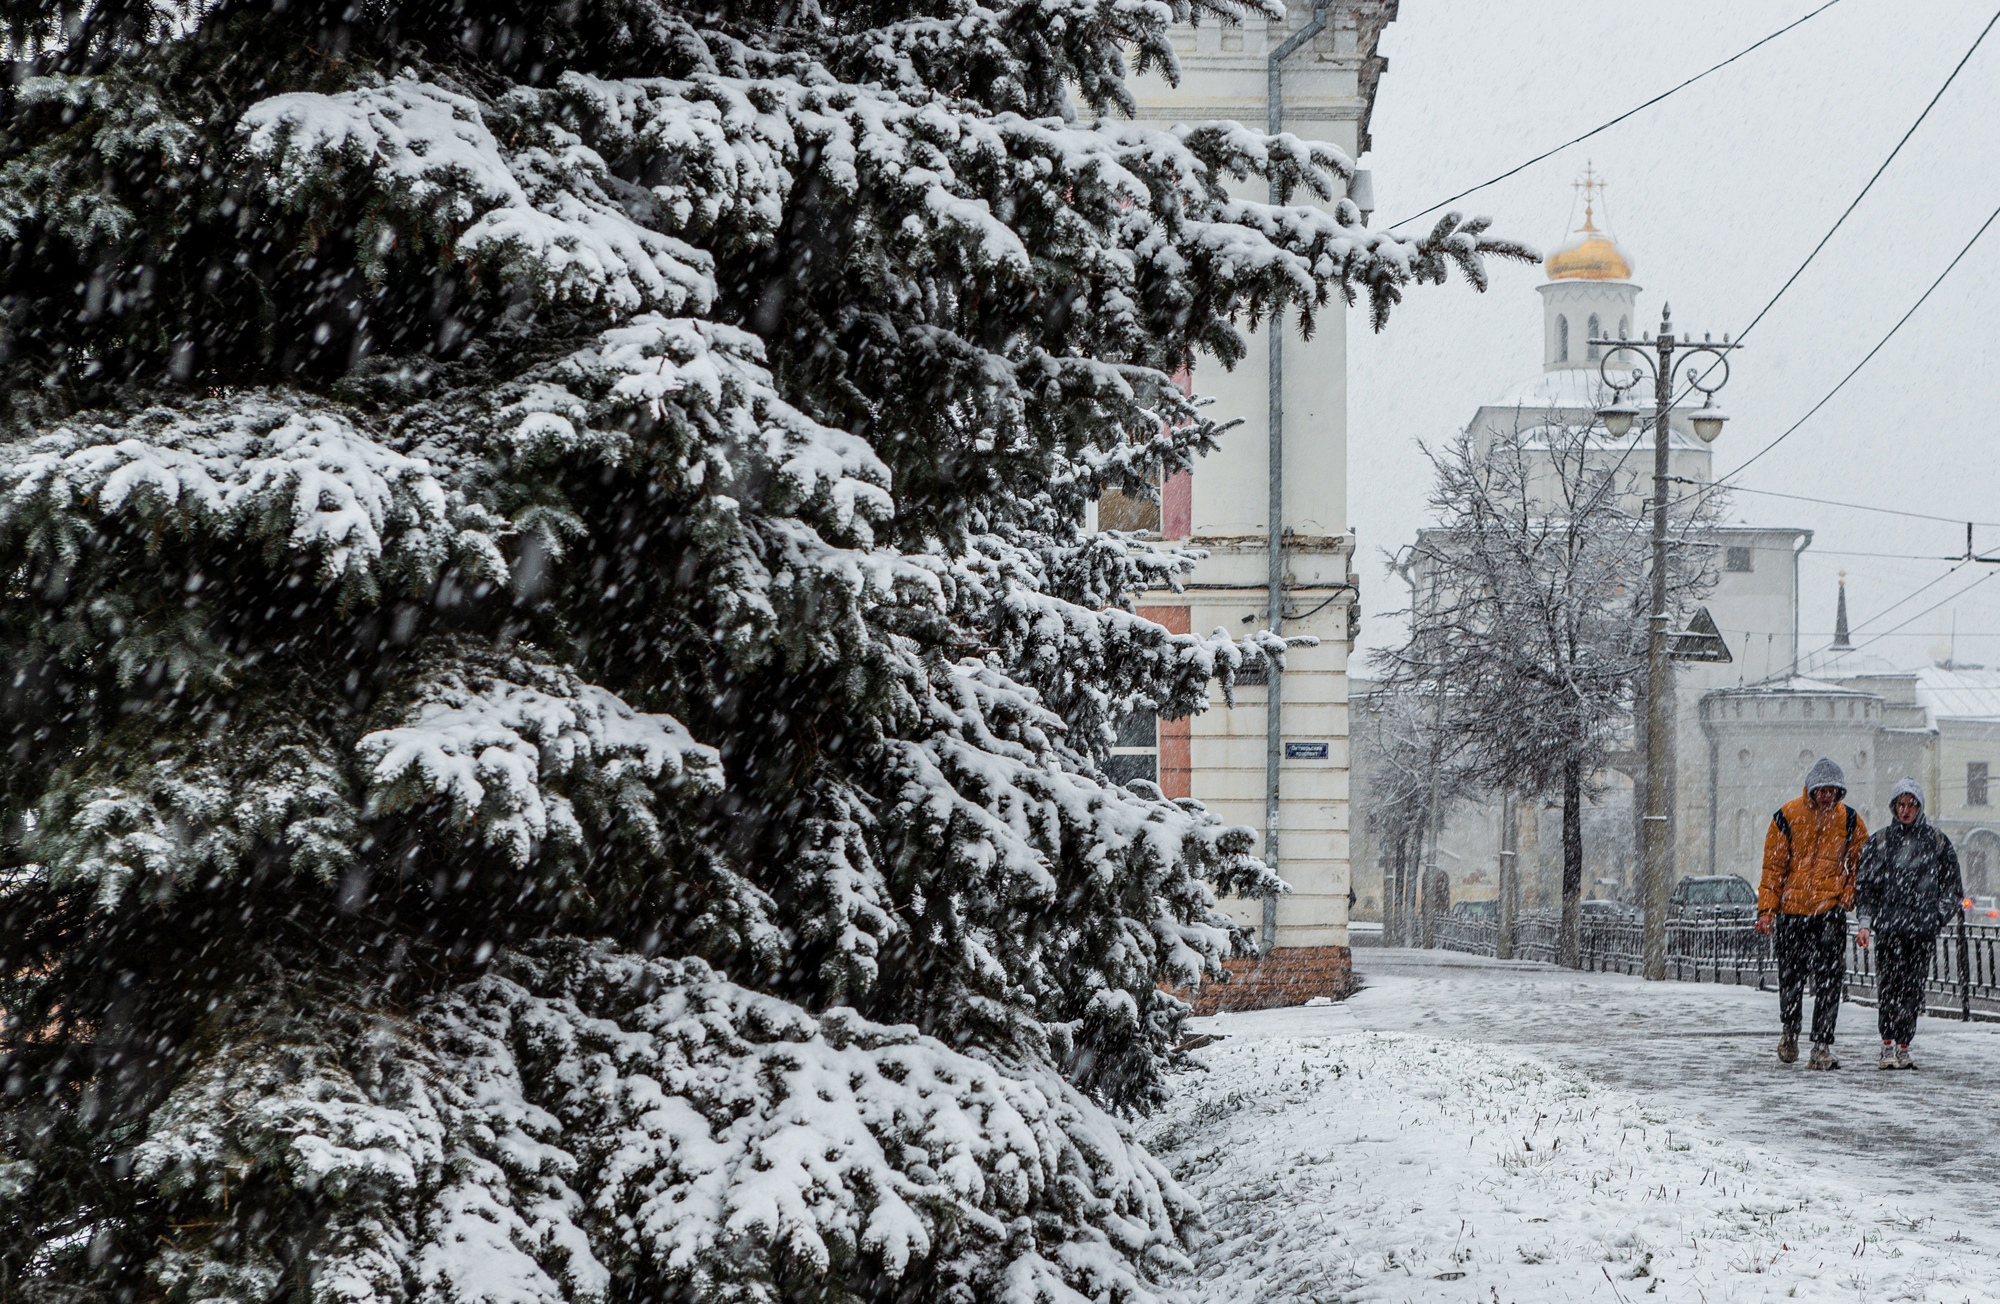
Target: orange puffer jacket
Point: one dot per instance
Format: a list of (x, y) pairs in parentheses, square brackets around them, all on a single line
[(1809, 859)]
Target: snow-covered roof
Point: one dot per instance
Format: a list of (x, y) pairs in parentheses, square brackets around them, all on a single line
[(1794, 684), (1959, 694), (1575, 391), (1565, 387), (1847, 663)]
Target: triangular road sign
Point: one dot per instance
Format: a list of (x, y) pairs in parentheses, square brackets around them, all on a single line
[(1700, 641)]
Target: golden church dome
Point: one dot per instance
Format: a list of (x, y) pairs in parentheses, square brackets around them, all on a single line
[(1590, 257)]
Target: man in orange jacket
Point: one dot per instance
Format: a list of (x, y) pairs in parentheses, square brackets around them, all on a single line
[(1810, 856)]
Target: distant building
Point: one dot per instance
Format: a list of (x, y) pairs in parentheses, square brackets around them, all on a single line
[(1939, 724), (1589, 294)]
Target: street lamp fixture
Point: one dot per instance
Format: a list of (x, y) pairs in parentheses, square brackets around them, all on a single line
[(1708, 420), (1618, 418), (1657, 357)]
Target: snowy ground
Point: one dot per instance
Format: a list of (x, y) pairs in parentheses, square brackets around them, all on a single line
[(1464, 1130)]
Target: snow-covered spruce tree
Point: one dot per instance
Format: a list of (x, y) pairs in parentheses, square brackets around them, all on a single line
[(513, 512)]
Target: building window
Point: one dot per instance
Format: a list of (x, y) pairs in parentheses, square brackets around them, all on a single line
[(1562, 338), (1122, 511), (1135, 748), (1737, 559), (1982, 858), (1975, 783), (1624, 328), (1596, 332)]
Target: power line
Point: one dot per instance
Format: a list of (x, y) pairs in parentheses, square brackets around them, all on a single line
[(1880, 345), (1837, 223), (1613, 122), (1879, 556), (1926, 611), (1855, 202), (1801, 658), (1913, 593), (1862, 507)]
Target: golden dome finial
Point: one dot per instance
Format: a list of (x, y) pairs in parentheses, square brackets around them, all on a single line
[(1593, 257)]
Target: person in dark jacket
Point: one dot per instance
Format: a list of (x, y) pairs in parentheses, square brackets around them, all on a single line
[(1906, 889)]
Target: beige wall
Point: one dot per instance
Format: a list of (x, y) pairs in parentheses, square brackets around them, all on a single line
[(1327, 88)]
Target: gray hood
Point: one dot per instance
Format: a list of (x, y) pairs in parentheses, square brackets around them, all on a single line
[(1912, 787), (1826, 773)]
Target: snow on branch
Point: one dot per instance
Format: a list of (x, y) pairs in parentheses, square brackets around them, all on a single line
[(295, 474), (993, 782), (582, 1116), (712, 378), (510, 745), (197, 809), (538, 209)]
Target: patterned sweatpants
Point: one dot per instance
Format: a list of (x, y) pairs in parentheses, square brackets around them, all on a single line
[(1902, 963)]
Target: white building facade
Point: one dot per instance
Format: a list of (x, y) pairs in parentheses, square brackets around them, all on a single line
[(1224, 507)]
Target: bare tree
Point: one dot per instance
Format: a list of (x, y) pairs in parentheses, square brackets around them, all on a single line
[(1417, 772), (1527, 622)]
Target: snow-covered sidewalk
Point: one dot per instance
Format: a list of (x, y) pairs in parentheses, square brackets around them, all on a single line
[(1477, 1132)]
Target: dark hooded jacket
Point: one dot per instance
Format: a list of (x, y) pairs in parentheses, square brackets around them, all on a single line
[(1908, 878)]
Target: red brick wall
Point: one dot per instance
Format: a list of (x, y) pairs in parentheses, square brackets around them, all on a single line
[(1177, 508), (1290, 975)]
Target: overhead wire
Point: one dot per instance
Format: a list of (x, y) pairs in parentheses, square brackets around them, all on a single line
[(1861, 507), (1722, 481), (1838, 222), (1953, 597), (1804, 657), (1606, 126)]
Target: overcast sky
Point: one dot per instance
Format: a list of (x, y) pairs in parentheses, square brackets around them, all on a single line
[(1716, 195)]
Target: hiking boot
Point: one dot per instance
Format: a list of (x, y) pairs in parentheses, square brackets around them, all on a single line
[(1822, 1056), (1788, 1047), (1888, 1060), (1903, 1060)]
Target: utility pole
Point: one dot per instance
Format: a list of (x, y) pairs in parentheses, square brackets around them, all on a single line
[(1657, 832), (1510, 837)]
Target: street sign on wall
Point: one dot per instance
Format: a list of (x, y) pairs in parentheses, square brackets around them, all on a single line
[(1308, 751)]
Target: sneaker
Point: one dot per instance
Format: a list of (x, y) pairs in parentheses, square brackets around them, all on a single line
[(1822, 1056), (1903, 1060), (1788, 1047), (1888, 1060)]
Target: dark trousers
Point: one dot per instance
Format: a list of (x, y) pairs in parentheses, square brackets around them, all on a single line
[(1811, 947), (1902, 963)]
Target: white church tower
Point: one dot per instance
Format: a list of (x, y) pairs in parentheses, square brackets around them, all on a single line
[(1589, 294)]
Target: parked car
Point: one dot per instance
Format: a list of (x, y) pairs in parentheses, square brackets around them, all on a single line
[(1485, 912), (1606, 912), (1713, 896)]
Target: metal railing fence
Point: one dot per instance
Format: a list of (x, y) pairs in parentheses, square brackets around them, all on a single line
[(1964, 978)]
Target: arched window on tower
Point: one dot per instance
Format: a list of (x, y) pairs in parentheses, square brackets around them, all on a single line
[(1596, 332), (1562, 338), (1624, 328)]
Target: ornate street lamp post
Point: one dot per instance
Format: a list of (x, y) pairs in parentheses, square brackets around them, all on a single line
[(1658, 357)]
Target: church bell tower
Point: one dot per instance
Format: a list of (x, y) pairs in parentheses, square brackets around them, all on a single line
[(1589, 294)]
